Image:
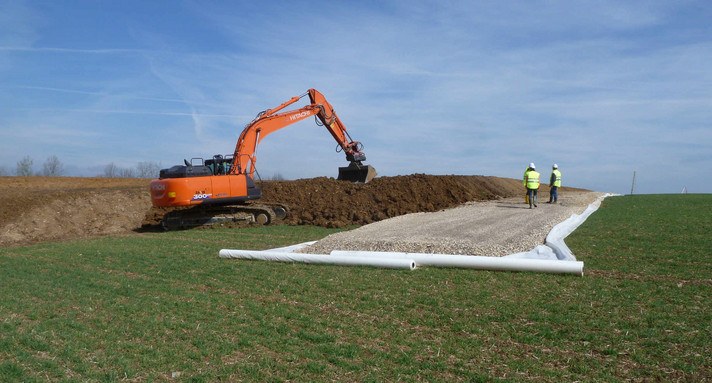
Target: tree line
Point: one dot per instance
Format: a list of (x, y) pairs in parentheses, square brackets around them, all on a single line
[(53, 167)]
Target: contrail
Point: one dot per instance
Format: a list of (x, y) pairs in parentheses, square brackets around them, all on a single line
[(99, 93), (72, 50), (146, 112)]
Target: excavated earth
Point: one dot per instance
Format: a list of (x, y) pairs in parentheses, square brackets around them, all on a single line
[(40, 209)]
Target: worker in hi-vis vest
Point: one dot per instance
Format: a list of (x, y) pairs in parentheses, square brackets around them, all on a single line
[(554, 183), (531, 182), (526, 194)]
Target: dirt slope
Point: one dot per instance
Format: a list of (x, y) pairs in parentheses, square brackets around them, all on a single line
[(331, 203), (38, 209)]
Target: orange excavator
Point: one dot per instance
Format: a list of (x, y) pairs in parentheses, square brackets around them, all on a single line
[(223, 188)]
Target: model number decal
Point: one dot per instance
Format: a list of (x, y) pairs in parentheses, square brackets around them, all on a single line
[(198, 197)]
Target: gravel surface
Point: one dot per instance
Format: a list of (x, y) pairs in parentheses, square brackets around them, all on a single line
[(491, 228)]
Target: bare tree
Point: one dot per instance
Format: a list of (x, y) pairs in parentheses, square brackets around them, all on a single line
[(52, 167), (127, 173), (3, 172), (148, 169), (276, 177), (111, 170), (24, 167)]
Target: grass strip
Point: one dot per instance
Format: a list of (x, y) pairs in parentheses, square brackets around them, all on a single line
[(163, 306)]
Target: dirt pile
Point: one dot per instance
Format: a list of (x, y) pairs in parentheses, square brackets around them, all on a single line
[(41, 209), (38, 209), (331, 203)]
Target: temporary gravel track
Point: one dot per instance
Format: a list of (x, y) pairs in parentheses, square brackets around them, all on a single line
[(487, 228)]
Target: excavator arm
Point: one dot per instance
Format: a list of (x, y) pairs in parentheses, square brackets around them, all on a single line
[(221, 188), (337, 129), (272, 120)]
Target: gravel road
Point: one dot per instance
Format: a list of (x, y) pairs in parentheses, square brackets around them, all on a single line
[(491, 228)]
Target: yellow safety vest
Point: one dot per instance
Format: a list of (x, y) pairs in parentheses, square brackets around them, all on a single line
[(557, 178), (531, 179)]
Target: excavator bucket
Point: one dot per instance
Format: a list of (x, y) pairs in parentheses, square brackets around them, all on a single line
[(357, 173)]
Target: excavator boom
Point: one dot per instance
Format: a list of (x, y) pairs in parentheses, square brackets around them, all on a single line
[(229, 180), (270, 121)]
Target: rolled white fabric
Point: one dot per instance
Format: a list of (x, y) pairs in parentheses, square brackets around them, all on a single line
[(293, 248), (555, 238), (385, 262), (475, 262)]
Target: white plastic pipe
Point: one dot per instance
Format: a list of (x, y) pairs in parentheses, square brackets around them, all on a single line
[(540, 259), (280, 256), (474, 262)]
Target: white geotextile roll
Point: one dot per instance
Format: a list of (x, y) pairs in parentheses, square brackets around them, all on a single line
[(539, 252), (293, 248), (555, 238), (389, 262), (475, 262)]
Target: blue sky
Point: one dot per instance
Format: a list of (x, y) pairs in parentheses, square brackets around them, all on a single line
[(603, 88)]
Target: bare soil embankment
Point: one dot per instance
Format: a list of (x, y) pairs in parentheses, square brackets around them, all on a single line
[(331, 203), (40, 209)]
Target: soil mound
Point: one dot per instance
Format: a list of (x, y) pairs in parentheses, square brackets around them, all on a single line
[(41, 209), (38, 209), (331, 203)]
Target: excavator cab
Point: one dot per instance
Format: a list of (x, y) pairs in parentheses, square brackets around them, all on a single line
[(357, 172)]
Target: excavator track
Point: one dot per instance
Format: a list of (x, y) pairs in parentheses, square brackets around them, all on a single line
[(249, 213)]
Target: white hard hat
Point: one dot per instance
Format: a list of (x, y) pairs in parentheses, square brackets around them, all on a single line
[(531, 165), (555, 166)]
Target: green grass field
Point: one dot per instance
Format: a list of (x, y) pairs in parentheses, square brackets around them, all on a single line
[(163, 306)]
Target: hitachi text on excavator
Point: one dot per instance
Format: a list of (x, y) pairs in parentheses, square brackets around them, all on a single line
[(223, 188)]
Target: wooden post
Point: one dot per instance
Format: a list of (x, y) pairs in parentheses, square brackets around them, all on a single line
[(632, 188)]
